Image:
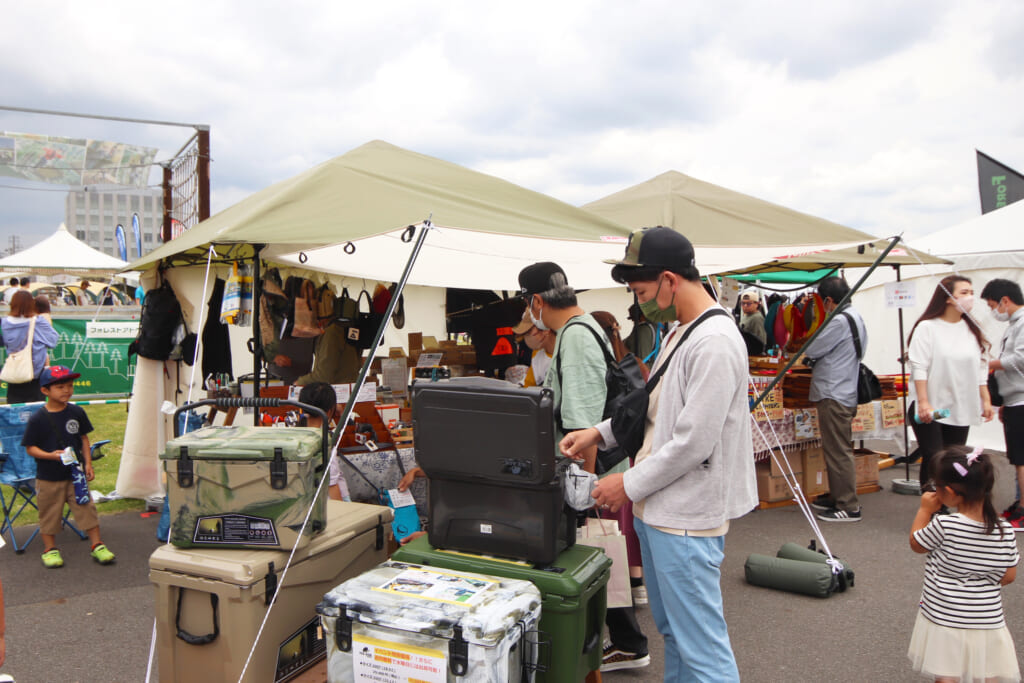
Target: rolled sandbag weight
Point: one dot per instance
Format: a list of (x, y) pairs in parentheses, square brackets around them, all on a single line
[(795, 576), (794, 551)]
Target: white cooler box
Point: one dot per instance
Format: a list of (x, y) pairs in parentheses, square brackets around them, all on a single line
[(401, 622)]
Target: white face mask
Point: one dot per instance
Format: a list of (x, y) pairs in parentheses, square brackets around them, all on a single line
[(1001, 316), (966, 303), (538, 323)]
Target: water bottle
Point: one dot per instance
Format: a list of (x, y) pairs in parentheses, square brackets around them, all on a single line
[(936, 415)]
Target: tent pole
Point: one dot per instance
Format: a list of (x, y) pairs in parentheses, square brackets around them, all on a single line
[(257, 346), (907, 485), (364, 370), (782, 371)]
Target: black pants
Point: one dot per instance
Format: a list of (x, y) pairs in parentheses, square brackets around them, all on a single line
[(932, 438), (624, 631), (25, 393)]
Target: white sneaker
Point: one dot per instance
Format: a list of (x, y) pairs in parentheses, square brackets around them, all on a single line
[(640, 595)]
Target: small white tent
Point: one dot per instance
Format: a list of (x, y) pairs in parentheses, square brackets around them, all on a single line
[(62, 252)]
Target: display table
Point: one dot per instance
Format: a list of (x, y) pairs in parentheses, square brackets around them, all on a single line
[(798, 428), (384, 468)]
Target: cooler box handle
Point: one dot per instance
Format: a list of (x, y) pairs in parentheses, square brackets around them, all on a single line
[(259, 402), (188, 637)]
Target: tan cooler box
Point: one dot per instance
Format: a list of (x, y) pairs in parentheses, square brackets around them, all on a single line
[(245, 486), (210, 602)]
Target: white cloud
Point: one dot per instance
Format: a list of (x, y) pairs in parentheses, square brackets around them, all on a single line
[(867, 114)]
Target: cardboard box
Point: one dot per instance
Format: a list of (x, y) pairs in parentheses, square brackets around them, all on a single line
[(815, 480), (794, 458), (866, 466), (771, 489)]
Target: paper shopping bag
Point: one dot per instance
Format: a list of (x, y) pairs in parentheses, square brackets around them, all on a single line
[(605, 534)]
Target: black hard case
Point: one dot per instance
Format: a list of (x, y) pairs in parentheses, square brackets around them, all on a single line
[(496, 487)]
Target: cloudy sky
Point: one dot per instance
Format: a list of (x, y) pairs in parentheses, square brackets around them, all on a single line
[(866, 113)]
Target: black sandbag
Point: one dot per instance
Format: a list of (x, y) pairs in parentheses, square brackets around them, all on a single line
[(796, 576), (794, 551)]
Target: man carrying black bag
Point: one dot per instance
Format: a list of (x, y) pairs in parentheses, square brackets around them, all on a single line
[(694, 471), (835, 368)]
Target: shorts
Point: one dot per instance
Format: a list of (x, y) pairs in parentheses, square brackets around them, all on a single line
[(51, 496), (1013, 430)]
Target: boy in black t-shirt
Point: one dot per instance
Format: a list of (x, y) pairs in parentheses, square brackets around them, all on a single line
[(54, 427)]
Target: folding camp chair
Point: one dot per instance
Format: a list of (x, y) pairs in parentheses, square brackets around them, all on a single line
[(18, 471)]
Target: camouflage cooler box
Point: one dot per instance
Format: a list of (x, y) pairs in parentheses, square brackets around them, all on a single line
[(245, 487)]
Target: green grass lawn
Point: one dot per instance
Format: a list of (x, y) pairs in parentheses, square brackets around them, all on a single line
[(108, 422)]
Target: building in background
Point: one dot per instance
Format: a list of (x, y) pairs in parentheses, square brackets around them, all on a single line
[(92, 215)]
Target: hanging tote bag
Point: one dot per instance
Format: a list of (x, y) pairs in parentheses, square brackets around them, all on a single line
[(18, 366)]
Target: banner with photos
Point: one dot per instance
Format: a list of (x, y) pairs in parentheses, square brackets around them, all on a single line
[(74, 161)]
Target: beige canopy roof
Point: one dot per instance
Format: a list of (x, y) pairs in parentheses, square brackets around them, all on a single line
[(376, 189), (723, 219)]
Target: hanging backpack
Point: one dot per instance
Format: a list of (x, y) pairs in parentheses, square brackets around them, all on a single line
[(161, 316), (621, 378)]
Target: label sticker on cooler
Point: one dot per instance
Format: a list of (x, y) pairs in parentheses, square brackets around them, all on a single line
[(235, 528)]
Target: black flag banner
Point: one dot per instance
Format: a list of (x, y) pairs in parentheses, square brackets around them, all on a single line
[(998, 184)]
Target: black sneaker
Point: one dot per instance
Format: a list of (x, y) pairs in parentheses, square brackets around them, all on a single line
[(836, 515), (615, 659), (823, 502)]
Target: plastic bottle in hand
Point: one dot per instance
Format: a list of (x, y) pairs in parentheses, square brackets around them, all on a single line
[(936, 415)]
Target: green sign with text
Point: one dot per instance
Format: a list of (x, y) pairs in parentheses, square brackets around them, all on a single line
[(97, 349)]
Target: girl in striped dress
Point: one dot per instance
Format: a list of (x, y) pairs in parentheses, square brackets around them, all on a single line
[(960, 634)]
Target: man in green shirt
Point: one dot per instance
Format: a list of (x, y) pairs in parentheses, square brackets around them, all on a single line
[(577, 380)]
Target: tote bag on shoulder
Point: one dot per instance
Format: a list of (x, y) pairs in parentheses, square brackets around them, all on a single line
[(18, 366)]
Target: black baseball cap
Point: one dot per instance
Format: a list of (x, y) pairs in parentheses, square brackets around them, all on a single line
[(658, 247), (537, 278)]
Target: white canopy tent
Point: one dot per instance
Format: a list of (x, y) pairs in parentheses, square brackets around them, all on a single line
[(62, 252)]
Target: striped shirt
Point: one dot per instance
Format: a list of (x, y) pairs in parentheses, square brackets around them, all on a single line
[(962, 573)]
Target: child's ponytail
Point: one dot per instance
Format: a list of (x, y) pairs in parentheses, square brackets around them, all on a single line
[(969, 472)]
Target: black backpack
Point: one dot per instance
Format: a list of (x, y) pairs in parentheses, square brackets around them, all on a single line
[(161, 315), (621, 377)]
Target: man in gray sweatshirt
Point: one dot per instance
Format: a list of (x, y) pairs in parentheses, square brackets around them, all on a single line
[(695, 470), (1006, 303)]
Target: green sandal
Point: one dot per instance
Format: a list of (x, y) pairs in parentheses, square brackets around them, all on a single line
[(52, 559), (102, 555)]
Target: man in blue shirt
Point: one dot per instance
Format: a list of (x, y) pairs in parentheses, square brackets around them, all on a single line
[(835, 366)]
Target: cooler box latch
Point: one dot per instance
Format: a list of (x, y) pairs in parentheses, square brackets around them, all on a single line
[(343, 633), (458, 653), (184, 469), (271, 584), (278, 470)]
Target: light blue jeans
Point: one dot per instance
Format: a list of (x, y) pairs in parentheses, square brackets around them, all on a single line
[(683, 578)]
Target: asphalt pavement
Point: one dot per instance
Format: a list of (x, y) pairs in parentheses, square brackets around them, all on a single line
[(91, 623)]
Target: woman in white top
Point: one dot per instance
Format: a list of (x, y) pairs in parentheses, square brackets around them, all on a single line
[(949, 369)]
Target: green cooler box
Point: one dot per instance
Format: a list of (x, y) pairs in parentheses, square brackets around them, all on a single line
[(573, 601), (245, 486)]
